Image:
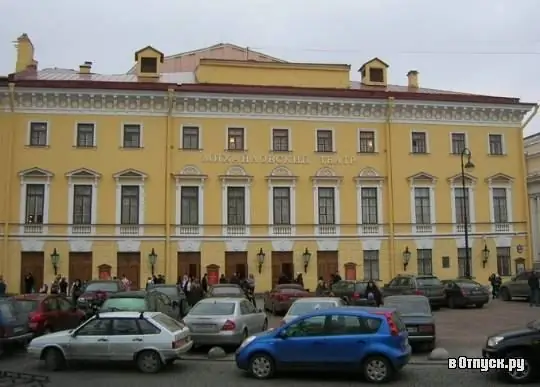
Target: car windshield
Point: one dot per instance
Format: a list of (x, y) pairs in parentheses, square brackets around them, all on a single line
[(408, 305), (101, 286), (300, 308), (226, 290), (168, 323), (428, 281), (171, 291), (27, 306), (125, 304), (6, 311), (213, 309), (289, 287), (468, 284)]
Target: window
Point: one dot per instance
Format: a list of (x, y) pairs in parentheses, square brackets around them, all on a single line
[(425, 261), (95, 327), (236, 206), (324, 141), (445, 262), (462, 261), (82, 204), (352, 325), (369, 205), (312, 326), (495, 144), (458, 143), (282, 205), (125, 327), (85, 135), (64, 305), (326, 205), (280, 140), (149, 65), (190, 137), (235, 139), (189, 197), (419, 142), (35, 202), (422, 205), (371, 264), (461, 204), (503, 261), (500, 205), (38, 133), (132, 136), (366, 142), (147, 328), (130, 204), (376, 75)]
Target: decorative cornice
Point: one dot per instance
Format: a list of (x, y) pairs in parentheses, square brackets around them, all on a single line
[(94, 102)]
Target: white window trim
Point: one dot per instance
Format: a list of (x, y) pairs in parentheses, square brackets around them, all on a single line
[(72, 182), (227, 128), (141, 142), (503, 144), (289, 138), (29, 131), (189, 183), (375, 139), (75, 132), (200, 147), (273, 183), (333, 139), (335, 184), (426, 133), (121, 181), (472, 207), (25, 180), (239, 182), (421, 229), (509, 206), (466, 140), (369, 184)]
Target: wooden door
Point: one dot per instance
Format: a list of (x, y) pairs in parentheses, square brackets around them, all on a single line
[(129, 264), (282, 263), (327, 264), (189, 263), (32, 262), (236, 262), (350, 271), (80, 266)]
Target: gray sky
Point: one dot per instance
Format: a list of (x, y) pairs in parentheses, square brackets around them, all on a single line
[(477, 46)]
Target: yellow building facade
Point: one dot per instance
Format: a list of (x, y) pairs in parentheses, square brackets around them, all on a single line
[(245, 166)]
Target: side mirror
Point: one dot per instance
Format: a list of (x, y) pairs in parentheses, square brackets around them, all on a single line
[(175, 304), (282, 334)]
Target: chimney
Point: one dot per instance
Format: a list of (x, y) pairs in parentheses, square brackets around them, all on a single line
[(25, 53), (85, 68), (413, 79)]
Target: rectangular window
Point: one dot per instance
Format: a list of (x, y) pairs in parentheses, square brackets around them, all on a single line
[(370, 209), (419, 142), (190, 137), (366, 142), (324, 141), (35, 203), (235, 139), (459, 143), (371, 264), (82, 204), (85, 135), (38, 133), (462, 259), (236, 206), (282, 205), (376, 75), (132, 136), (130, 204), (503, 261), (189, 205), (422, 205), (425, 261), (495, 144), (500, 205), (326, 205), (280, 140), (149, 65), (461, 203)]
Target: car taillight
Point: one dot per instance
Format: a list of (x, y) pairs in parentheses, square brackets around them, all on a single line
[(282, 297), (228, 326), (394, 331), (178, 343), (356, 295), (37, 317), (419, 292), (426, 328)]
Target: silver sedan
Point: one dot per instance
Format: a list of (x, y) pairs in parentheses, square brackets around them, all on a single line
[(308, 305), (224, 321)]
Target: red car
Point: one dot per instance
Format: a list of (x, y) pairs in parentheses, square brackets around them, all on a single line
[(48, 312), (280, 299)]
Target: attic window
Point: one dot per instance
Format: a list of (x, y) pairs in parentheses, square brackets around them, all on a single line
[(149, 65), (376, 75)]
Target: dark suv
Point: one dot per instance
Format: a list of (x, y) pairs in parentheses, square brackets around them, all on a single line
[(517, 286), (425, 285), (352, 292)]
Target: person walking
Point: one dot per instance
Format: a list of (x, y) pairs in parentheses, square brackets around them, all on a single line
[(534, 289), (373, 293)]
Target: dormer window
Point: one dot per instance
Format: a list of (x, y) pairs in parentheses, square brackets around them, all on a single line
[(149, 62), (149, 65), (376, 75)]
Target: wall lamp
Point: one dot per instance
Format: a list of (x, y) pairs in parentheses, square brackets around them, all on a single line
[(406, 258), (55, 259), (485, 255), (260, 259), (152, 259), (306, 258)]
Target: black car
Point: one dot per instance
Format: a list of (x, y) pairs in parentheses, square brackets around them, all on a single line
[(463, 292), (518, 344), (175, 293), (141, 301), (14, 328), (352, 292), (420, 285)]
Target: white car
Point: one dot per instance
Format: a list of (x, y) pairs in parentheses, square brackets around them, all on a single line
[(304, 306), (150, 339)]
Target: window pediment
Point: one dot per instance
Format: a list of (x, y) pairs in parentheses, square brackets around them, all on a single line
[(35, 173), (368, 174), (499, 178), (456, 179), (83, 173), (326, 174), (130, 174), (281, 173), (190, 172), (422, 178), (236, 173)]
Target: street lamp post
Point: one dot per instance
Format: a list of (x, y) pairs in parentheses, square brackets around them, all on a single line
[(466, 166)]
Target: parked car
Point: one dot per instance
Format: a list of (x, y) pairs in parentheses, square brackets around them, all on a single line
[(280, 299), (517, 344), (415, 312), (463, 292), (225, 290), (423, 285), (95, 293), (139, 301), (308, 305), (352, 292), (329, 339), (14, 327), (517, 286), (48, 313), (155, 340), (224, 321), (176, 294)]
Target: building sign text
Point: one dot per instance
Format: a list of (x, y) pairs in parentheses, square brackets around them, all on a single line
[(232, 158)]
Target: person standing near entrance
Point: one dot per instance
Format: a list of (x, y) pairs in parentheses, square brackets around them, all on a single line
[(534, 289)]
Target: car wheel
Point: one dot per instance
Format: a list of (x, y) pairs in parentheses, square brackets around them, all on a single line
[(54, 359), (261, 366), (505, 294), (149, 362), (377, 369), (265, 325), (520, 377), (479, 306), (451, 303)]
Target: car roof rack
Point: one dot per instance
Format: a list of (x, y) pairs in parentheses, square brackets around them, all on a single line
[(141, 316)]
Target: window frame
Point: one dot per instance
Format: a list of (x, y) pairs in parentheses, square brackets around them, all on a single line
[(78, 131), (123, 196), (278, 210), (422, 149), (322, 135), (240, 204), (231, 135), (82, 214), (192, 199), (37, 208), (126, 127), (38, 127), (323, 210), (195, 135)]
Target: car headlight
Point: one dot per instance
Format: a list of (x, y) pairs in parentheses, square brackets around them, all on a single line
[(81, 299), (246, 342), (494, 341)]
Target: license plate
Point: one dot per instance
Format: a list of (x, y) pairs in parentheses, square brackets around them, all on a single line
[(412, 329)]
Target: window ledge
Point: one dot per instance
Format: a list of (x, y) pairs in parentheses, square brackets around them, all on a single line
[(130, 148), (93, 147), (419, 153), (367, 153), (37, 146), (324, 152), (280, 151), (497, 154), (236, 150), (191, 149)]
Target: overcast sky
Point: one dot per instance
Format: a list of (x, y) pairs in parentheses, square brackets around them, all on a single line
[(477, 46)]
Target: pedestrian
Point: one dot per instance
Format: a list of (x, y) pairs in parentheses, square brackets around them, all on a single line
[(76, 291), (235, 279), (63, 286), (299, 279), (321, 290), (55, 285), (222, 279), (337, 277), (29, 283), (204, 283), (3, 286), (496, 286), (126, 283), (373, 293), (534, 289)]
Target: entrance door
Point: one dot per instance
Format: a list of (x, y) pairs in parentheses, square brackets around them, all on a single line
[(236, 262), (189, 263), (327, 264), (130, 265), (32, 262), (80, 266), (282, 263)]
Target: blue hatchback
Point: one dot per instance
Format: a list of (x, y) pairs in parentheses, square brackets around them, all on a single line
[(374, 343)]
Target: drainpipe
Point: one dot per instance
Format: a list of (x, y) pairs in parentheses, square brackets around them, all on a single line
[(8, 171), (390, 194), (168, 148)]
